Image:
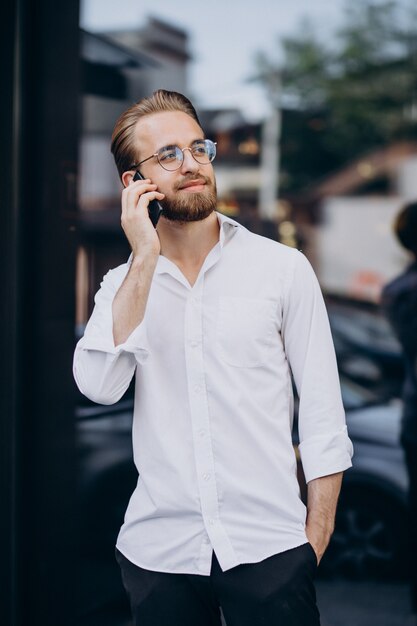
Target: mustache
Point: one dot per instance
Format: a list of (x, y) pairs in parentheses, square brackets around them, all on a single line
[(191, 177)]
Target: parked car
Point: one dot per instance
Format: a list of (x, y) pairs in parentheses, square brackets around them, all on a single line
[(366, 348)]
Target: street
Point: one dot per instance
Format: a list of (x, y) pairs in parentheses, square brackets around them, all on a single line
[(347, 603)]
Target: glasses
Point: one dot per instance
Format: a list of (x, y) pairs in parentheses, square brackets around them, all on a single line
[(171, 158)]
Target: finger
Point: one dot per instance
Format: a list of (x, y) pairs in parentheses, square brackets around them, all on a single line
[(131, 212), (133, 189), (130, 196), (132, 219), (146, 198)]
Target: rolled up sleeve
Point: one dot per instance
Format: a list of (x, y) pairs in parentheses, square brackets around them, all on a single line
[(325, 447), (102, 370)]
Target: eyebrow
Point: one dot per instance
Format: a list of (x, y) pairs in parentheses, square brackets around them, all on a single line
[(173, 145)]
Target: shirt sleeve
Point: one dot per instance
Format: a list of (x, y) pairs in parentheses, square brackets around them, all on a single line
[(325, 447), (102, 370)]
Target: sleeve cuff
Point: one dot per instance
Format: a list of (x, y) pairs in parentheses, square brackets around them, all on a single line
[(136, 343), (326, 454)]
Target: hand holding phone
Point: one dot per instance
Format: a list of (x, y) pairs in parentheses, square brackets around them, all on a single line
[(154, 208)]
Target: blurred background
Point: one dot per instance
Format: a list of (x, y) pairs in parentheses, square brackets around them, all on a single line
[(314, 110)]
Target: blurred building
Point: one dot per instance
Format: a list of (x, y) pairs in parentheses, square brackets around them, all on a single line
[(346, 219), (168, 46)]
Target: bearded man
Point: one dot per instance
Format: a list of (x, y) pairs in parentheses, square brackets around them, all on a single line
[(213, 321)]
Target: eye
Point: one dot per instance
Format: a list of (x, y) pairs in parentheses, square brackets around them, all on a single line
[(199, 148), (169, 153)]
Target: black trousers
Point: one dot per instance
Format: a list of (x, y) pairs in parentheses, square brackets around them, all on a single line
[(278, 591)]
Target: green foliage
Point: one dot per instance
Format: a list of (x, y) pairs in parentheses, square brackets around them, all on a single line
[(362, 83), (306, 68)]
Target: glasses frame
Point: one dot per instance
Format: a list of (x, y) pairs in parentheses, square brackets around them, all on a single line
[(136, 165)]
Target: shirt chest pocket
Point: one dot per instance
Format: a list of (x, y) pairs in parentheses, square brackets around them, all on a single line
[(245, 331)]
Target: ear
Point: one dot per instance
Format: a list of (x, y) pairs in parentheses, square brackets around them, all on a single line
[(127, 177)]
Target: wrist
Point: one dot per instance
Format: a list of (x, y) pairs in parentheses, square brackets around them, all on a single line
[(319, 536), (320, 525), (144, 258)]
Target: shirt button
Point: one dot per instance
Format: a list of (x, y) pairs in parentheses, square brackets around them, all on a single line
[(212, 522), (206, 476), (197, 388), (202, 433), (194, 343)]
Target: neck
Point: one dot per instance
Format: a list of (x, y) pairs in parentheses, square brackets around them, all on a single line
[(189, 242)]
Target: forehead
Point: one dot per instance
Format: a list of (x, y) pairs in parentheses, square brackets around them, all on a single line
[(171, 127)]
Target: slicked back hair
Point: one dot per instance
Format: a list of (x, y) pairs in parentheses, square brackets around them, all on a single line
[(123, 145)]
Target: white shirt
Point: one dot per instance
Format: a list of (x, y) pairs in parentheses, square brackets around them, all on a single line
[(213, 405)]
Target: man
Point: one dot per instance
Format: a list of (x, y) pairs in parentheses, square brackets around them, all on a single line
[(399, 301), (210, 318)]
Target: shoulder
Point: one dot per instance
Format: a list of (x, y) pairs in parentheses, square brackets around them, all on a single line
[(269, 247), (289, 266), (265, 248)]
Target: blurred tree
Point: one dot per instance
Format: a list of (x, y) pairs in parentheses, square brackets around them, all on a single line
[(348, 95)]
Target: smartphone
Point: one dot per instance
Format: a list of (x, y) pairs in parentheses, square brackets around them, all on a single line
[(154, 208)]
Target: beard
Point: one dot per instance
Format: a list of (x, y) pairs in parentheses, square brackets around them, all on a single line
[(190, 207)]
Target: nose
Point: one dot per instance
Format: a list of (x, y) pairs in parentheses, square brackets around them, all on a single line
[(189, 163)]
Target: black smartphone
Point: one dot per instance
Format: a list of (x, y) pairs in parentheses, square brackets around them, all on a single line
[(154, 207)]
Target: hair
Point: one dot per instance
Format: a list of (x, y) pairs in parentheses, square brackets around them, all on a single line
[(405, 227), (123, 146)]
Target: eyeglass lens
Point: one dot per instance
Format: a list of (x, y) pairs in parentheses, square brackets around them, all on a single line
[(171, 157)]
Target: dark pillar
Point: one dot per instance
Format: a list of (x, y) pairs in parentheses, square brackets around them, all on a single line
[(38, 156)]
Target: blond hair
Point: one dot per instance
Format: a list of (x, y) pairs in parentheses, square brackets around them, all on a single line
[(123, 145)]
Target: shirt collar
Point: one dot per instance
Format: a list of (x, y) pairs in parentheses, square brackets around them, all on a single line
[(228, 227)]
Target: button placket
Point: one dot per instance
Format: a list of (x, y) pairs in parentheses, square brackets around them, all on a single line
[(201, 432), (198, 404)]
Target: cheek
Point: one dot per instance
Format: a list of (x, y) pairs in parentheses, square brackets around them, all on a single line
[(165, 184), (169, 191), (210, 174)]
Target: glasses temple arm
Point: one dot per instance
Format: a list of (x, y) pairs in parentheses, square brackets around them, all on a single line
[(136, 165)]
